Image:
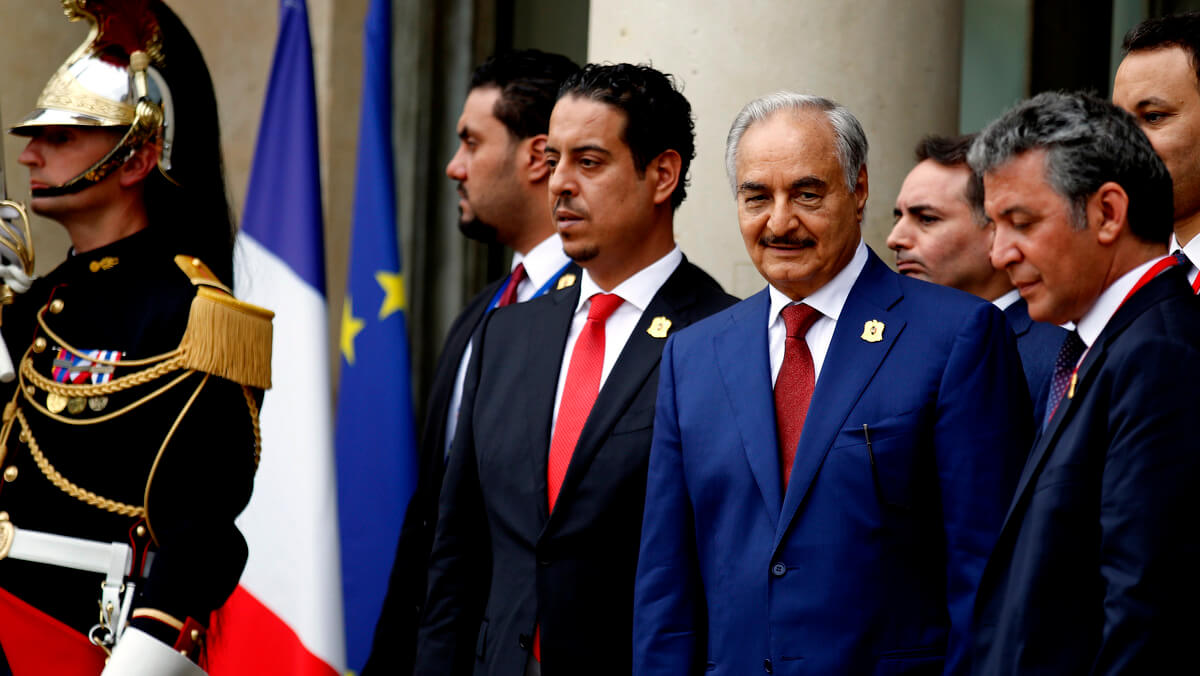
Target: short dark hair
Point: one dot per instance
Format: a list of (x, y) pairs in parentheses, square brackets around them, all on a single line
[(528, 80), (1088, 142), (657, 116), (948, 151), (1179, 30)]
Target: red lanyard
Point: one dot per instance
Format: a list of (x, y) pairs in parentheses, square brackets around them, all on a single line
[(1150, 274)]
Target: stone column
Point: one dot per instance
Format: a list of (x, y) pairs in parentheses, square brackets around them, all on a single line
[(894, 64)]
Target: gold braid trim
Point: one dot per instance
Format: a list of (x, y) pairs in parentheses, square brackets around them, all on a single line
[(98, 419), (115, 385), (162, 449), (66, 486), (250, 404)]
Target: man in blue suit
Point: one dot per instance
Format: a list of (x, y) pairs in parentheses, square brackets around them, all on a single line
[(940, 238), (827, 477), (1095, 568)]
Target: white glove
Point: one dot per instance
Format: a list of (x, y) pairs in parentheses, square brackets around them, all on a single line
[(10, 271), (140, 654), (14, 276)]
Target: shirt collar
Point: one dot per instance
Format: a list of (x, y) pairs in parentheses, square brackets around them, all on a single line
[(1003, 302), (639, 289), (829, 299), (1191, 249), (1096, 318), (543, 261)]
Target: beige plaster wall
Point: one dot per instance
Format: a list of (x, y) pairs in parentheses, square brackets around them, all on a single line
[(894, 63)]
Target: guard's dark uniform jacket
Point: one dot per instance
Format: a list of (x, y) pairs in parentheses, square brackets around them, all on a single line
[(121, 427)]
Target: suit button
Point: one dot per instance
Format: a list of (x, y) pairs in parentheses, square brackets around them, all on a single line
[(778, 569), (523, 641), (767, 666), (543, 562)]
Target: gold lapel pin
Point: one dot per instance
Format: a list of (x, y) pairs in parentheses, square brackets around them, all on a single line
[(872, 331), (659, 326), (565, 281)]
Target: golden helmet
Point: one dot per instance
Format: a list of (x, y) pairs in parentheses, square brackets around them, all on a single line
[(112, 80)]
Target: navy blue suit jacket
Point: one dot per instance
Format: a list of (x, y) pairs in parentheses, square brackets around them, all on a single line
[(1095, 569), (868, 563), (1038, 343)]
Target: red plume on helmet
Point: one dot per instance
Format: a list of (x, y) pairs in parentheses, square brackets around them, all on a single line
[(121, 27)]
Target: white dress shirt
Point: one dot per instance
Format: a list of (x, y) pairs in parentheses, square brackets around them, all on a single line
[(1192, 251), (637, 292), (541, 264), (828, 300), (1003, 302), (1096, 318)]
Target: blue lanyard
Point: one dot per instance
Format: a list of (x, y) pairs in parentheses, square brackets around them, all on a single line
[(542, 291)]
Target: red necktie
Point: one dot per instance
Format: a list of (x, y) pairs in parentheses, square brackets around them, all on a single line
[(794, 385), (578, 397), (510, 289), (580, 390)]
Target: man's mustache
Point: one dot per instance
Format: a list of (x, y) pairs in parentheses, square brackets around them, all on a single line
[(564, 202), (787, 241)]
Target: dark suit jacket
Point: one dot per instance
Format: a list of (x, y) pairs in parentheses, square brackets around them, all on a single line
[(868, 562), (571, 572), (1095, 570), (394, 645), (1038, 343)]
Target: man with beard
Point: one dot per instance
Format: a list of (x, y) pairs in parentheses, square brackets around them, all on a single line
[(501, 171), (545, 482)]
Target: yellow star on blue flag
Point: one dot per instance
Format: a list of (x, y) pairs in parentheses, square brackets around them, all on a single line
[(351, 327), (392, 284)]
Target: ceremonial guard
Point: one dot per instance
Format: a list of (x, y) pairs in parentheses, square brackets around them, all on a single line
[(130, 430)]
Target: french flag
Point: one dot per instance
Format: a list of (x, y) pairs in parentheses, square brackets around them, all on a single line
[(286, 615)]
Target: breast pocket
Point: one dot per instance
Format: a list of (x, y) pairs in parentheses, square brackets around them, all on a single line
[(635, 420), (889, 450)]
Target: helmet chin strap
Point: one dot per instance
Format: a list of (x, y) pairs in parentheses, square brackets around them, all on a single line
[(146, 123)]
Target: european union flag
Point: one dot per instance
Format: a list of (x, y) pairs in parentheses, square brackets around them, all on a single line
[(375, 438)]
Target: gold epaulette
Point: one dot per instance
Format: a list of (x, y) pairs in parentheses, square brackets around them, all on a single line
[(225, 336)]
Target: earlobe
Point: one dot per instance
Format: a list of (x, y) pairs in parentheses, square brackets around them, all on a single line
[(861, 191), (665, 170)]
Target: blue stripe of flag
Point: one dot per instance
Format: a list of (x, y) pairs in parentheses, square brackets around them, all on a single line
[(283, 199), (375, 439)]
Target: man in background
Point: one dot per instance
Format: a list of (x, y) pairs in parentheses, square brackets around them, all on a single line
[(939, 238), (1158, 82), (502, 174)]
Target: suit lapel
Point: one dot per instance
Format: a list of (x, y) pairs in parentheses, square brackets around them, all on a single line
[(637, 361), (543, 357), (1154, 292), (849, 366), (745, 368), (1018, 318)]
